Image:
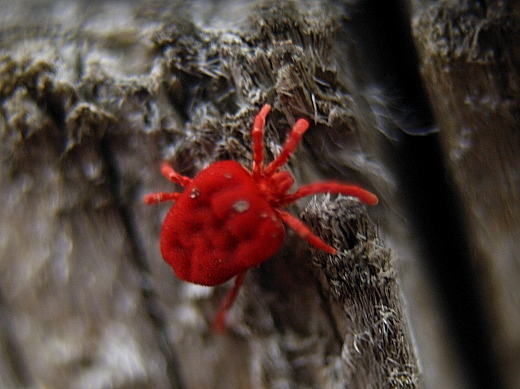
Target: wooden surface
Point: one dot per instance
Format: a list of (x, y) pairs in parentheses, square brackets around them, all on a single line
[(470, 63), (95, 95)]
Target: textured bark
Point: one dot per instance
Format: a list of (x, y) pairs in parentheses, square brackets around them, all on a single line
[(361, 284), (470, 65), (95, 95)]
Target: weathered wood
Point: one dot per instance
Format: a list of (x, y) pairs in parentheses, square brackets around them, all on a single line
[(377, 351), (93, 98), (470, 63)]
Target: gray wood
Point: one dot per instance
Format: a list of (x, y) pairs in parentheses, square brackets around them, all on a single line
[(470, 66), (94, 95), (362, 286)]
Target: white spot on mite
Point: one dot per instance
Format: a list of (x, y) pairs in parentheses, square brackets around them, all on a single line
[(263, 215), (195, 192), (229, 176), (241, 206)]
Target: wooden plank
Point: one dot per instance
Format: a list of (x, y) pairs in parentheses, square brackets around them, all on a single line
[(91, 103), (470, 66)]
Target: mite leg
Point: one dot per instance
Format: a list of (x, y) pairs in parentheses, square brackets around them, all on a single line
[(219, 324), (168, 172), (304, 232), (290, 145), (334, 188), (161, 197), (257, 135)]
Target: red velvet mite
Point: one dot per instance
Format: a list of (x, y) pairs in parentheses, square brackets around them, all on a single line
[(229, 219)]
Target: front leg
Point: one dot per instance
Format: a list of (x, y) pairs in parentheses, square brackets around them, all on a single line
[(160, 197)]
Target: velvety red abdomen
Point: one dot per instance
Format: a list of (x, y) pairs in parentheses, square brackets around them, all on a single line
[(220, 226)]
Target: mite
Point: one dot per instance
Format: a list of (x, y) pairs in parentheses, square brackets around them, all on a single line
[(229, 219)]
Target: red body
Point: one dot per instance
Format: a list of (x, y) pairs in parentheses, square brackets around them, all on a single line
[(220, 226), (229, 219)]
